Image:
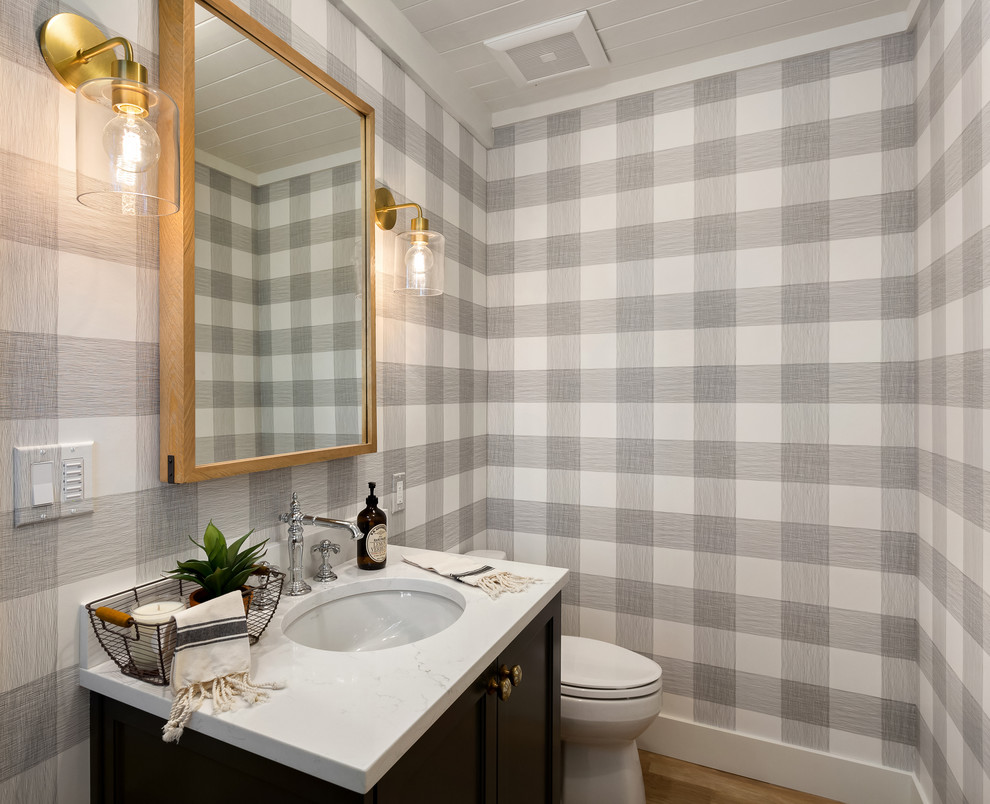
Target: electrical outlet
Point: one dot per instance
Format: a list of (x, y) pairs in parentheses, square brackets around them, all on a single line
[(399, 489)]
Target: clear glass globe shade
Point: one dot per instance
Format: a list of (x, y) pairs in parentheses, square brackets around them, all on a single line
[(419, 260), (131, 143)]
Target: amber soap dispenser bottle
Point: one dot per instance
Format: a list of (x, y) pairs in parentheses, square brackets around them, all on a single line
[(371, 522)]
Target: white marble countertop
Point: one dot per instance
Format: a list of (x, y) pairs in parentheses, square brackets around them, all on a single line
[(348, 717)]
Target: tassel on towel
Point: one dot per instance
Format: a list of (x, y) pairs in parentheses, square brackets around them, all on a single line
[(212, 660), (496, 582), (463, 569)]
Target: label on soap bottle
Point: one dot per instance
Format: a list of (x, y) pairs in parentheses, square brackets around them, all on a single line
[(377, 543)]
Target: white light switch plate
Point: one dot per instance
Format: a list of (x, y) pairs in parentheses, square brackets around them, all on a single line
[(52, 481)]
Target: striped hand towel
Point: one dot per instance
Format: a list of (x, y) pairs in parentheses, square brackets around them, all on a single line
[(469, 570), (212, 660)]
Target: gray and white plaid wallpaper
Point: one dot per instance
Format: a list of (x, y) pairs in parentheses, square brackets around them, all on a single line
[(79, 359), (952, 68), (227, 416), (278, 308), (720, 352), (311, 302), (701, 320)]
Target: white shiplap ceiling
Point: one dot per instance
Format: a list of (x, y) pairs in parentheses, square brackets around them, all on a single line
[(650, 44), (256, 114), (640, 36)]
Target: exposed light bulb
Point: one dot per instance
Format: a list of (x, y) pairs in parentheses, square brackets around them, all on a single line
[(132, 145), (419, 262)]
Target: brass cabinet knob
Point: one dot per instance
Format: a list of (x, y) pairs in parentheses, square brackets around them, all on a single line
[(501, 686), (514, 674), (506, 679)]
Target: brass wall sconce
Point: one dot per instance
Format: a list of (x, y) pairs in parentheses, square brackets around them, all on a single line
[(419, 250), (127, 133)]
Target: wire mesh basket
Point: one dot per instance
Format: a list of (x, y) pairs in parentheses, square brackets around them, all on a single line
[(145, 651)]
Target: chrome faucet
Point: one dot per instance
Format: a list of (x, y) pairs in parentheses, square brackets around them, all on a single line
[(296, 519)]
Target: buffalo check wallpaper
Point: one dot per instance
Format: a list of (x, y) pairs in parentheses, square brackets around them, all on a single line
[(79, 360), (952, 85), (718, 348), (701, 320), (279, 301), (728, 391)]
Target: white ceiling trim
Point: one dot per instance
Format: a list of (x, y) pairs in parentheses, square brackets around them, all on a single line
[(312, 166), (215, 162), (388, 28), (788, 48), (279, 174)]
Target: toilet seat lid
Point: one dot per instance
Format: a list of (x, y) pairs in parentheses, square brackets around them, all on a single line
[(587, 693), (591, 664)]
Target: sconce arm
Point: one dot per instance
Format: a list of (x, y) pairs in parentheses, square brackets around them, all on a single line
[(385, 208), (83, 56), (390, 207)]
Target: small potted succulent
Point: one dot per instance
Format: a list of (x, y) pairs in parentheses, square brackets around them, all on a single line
[(226, 567)]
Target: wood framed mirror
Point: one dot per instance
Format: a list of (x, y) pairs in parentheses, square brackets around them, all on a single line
[(267, 296)]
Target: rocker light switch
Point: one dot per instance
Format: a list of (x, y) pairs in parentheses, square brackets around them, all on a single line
[(42, 483)]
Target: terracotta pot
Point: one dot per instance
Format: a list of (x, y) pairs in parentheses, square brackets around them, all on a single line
[(199, 596)]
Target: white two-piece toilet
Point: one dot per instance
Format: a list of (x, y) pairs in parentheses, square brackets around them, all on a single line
[(609, 697)]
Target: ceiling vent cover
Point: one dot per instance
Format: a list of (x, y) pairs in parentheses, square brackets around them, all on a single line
[(550, 49)]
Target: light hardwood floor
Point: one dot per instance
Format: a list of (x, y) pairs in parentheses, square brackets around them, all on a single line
[(671, 781)]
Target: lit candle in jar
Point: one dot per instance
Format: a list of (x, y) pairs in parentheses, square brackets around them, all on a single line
[(151, 641)]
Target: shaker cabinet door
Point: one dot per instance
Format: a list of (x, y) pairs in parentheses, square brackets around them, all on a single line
[(451, 762), (529, 719), (499, 743)]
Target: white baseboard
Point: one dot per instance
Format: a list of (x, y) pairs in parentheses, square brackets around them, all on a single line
[(814, 772)]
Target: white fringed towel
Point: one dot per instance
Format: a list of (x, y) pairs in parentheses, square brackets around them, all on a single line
[(212, 660), (464, 569)]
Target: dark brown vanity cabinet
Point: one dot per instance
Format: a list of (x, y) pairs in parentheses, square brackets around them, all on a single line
[(482, 749)]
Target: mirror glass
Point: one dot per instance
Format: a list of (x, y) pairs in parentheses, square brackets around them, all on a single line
[(280, 274)]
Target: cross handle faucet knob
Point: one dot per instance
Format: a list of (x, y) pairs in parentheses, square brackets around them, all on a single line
[(325, 573)]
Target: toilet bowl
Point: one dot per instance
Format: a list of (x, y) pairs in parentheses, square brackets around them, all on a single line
[(609, 697), (500, 554)]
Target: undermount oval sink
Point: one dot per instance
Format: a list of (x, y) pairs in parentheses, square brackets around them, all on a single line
[(374, 615)]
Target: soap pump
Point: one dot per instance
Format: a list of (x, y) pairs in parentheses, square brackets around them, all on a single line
[(371, 550)]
